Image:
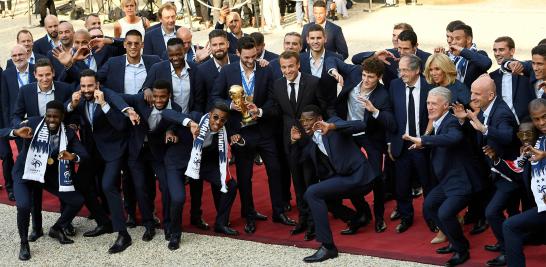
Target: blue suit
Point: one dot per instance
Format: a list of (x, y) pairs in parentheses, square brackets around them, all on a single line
[(450, 196), (112, 74), (233, 41), (522, 92), (9, 62), (334, 36), (205, 78), (459, 92), (478, 64), (154, 44), (269, 56), (42, 46)]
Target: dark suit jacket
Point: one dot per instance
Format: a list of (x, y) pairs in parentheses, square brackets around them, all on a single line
[(522, 92), (459, 92), (9, 91), (162, 70), (27, 100), (397, 93), (206, 77), (41, 46), (72, 75), (233, 41), (177, 155), (231, 75), (269, 56), (335, 41), (112, 74), (154, 43), (309, 93), (9, 63), (449, 157), (478, 64), (275, 67)]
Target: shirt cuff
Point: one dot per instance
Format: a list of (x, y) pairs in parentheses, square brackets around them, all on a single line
[(331, 71), (186, 122), (11, 134), (260, 113), (375, 114), (69, 107), (77, 159), (105, 108)]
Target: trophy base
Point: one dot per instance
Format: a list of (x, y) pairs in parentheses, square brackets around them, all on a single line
[(246, 124)]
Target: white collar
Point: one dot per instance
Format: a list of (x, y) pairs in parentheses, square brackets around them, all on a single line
[(26, 70), (157, 111), (296, 81), (438, 122), (321, 57), (262, 55), (216, 62), (185, 69), (139, 64), (243, 69), (167, 34), (488, 109), (417, 84), (48, 92)]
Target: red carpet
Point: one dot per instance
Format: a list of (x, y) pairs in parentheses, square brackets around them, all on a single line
[(413, 245)]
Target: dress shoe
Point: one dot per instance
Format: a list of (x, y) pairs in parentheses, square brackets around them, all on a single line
[(492, 248), (287, 207), (322, 254), (458, 259), (250, 226), (432, 226), (24, 251), (149, 234), (260, 217), (479, 227), (309, 235), (395, 215), (200, 223), (225, 230), (445, 250), (283, 219), (60, 235), (131, 221), (380, 226), (498, 261), (416, 192), (353, 226), (404, 225), (98, 231), (35, 234), (11, 196), (439, 238), (258, 160), (298, 229), (174, 242), (122, 243), (69, 230)]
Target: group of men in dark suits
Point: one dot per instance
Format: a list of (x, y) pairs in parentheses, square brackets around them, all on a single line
[(152, 107)]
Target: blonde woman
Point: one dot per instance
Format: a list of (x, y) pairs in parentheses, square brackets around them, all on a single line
[(440, 71), (131, 21)]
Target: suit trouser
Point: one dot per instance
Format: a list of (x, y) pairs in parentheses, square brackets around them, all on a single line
[(85, 183), (177, 190), (111, 182), (222, 201), (267, 149), (517, 229), (375, 158), (24, 189), (299, 171), (337, 186), (494, 213), (7, 163), (196, 195), (128, 188), (407, 165), (443, 210)]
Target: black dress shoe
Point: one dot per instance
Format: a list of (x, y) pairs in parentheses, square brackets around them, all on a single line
[(283, 219), (225, 230), (258, 160), (298, 229), (60, 235), (98, 231), (404, 225), (432, 226), (174, 242), (458, 259), (70, 230), (309, 235), (200, 223), (131, 221), (493, 248), (149, 234), (260, 217), (380, 226), (24, 252), (287, 207), (322, 254), (479, 227), (395, 215), (122, 243), (416, 192), (445, 250), (498, 261), (11, 196), (354, 225), (35, 234), (250, 226)]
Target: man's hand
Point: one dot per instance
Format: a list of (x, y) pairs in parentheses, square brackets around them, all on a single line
[(536, 154), (201, 54), (439, 50), (516, 67), (232, 106), (367, 104), (76, 97), (475, 122), (253, 110), (458, 111), (99, 97), (223, 14), (133, 116), (236, 139), (148, 96), (73, 127), (64, 56), (455, 50), (323, 127), (170, 137), (389, 152), (65, 155), (99, 43), (194, 129), (23, 132), (417, 143), (490, 152), (263, 63), (295, 134), (337, 76), (383, 55), (82, 53)]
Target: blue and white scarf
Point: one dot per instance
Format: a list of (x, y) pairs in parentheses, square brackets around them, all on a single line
[(461, 63), (38, 154), (194, 165), (538, 177)]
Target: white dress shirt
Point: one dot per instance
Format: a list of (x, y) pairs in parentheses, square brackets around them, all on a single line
[(416, 100), (44, 98), (317, 70), (436, 124), (317, 138), (167, 36), (22, 77), (135, 74), (218, 66), (507, 92), (296, 83), (181, 87)]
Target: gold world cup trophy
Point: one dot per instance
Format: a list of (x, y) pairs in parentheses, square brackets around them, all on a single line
[(240, 100)]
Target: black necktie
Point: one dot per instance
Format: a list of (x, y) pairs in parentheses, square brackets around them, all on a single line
[(293, 95), (411, 112)]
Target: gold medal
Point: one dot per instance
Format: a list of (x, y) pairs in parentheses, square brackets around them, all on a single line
[(50, 161)]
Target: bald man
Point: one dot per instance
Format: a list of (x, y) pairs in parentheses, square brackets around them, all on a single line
[(43, 5), (234, 23), (195, 53), (51, 39)]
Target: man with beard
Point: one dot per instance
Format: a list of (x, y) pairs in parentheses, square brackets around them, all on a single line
[(66, 40), (195, 53), (234, 23), (51, 168), (24, 38), (12, 79), (51, 39)]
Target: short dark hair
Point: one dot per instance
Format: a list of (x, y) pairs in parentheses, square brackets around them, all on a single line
[(319, 4), (539, 50), (245, 42), (217, 33), (175, 41), (402, 26), (163, 84), (543, 41), (374, 65), (508, 40), (450, 26), (220, 105), (43, 62), (88, 73), (465, 28), (258, 38), (316, 28), (289, 55), (537, 103), (408, 35), (312, 108), (134, 33), (55, 104), (22, 32)]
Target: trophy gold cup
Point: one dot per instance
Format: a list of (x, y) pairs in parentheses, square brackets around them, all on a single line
[(240, 100)]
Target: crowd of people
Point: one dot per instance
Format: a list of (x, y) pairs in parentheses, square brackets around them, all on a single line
[(147, 105)]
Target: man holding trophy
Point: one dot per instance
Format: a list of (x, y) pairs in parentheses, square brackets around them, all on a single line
[(246, 88)]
